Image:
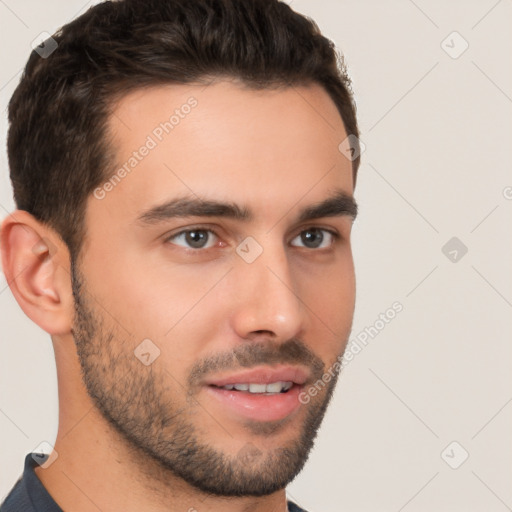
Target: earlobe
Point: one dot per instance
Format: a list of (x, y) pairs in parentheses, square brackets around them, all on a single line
[(36, 271)]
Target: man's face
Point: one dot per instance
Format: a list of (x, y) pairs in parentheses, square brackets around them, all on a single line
[(174, 310)]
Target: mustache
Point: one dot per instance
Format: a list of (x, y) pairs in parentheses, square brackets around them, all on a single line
[(251, 354)]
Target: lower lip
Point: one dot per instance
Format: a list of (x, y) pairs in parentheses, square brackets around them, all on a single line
[(258, 406)]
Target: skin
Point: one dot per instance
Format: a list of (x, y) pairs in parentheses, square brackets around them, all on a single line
[(274, 152)]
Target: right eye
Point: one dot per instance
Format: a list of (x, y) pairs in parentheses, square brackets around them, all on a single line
[(195, 238)]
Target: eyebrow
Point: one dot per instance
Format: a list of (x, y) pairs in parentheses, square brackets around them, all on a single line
[(338, 204)]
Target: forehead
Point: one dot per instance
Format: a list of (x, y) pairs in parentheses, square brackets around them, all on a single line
[(225, 141)]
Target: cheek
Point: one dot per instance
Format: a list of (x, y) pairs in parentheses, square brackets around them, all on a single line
[(151, 300), (330, 297), (174, 308)]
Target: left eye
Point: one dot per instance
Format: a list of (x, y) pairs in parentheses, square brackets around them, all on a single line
[(311, 238), (314, 238)]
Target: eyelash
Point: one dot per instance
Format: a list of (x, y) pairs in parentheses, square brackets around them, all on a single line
[(336, 236)]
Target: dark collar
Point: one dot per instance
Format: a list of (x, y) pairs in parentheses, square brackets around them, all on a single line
[(28, 493)]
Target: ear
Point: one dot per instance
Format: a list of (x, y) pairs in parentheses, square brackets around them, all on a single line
[(36, 265)]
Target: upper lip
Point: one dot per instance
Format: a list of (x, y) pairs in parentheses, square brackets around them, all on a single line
[(263, 375)]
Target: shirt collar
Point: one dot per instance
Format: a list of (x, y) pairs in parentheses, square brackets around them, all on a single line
[(36, 491)]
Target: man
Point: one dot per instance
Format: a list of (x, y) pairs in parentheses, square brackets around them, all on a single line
[(183, 173)]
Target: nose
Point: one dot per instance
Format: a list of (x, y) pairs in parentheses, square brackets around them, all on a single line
[(267, 305)]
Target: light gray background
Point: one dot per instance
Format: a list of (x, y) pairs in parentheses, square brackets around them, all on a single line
[(438, 132)]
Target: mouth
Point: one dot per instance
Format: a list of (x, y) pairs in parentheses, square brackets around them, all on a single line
[(260, 394), (272, 388)]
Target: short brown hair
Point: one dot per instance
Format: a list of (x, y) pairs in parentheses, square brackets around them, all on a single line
[(58, 147)]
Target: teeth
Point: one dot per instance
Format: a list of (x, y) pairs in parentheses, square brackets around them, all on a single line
[(257, 388), (273, 387)]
